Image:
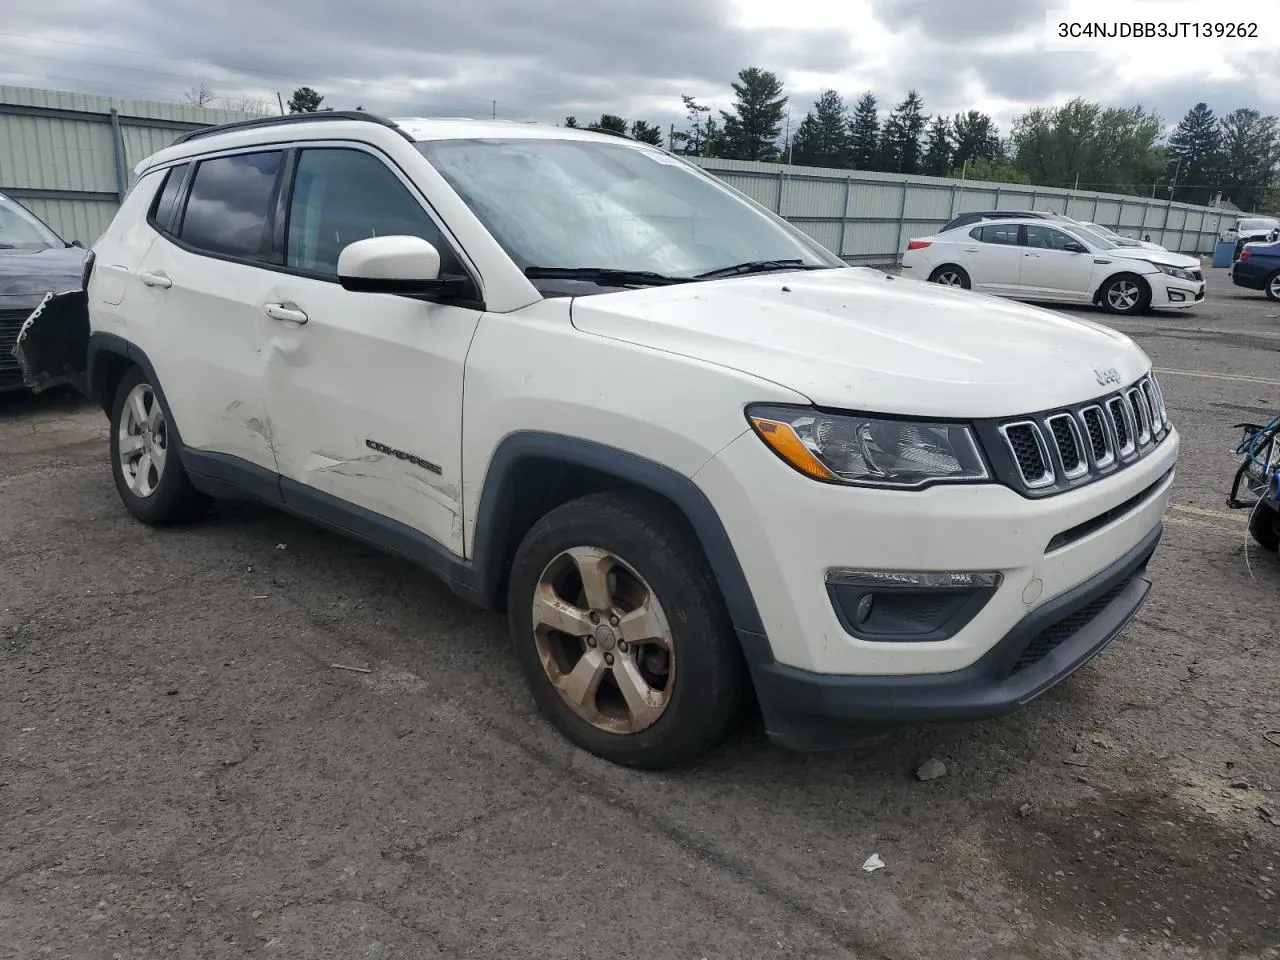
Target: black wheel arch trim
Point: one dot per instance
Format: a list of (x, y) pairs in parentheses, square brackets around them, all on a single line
[(497, 499), (109, 344)]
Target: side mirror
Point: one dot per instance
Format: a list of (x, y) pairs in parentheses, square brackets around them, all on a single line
[(408, 266), (1073, 247)]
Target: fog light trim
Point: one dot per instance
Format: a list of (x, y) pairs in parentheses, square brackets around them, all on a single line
[(897, 606)]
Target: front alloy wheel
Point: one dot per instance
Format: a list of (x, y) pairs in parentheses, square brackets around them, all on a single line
[(1125, 295), (604, 640), (621, 633)]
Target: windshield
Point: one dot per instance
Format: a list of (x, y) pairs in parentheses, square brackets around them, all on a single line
[(20, 229), (1259, 224), (1095, 237), (574, 204)]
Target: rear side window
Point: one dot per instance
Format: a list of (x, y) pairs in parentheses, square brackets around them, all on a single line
[(230, 205), (167, 199), (1004, 233)]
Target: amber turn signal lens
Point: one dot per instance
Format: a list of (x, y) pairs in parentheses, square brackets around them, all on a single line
[(782, 439)]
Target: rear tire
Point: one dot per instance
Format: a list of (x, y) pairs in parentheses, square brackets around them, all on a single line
[(951, 275), (592, 573), (145, 460), (1264, 527), (1125, 294), (1272, 287)]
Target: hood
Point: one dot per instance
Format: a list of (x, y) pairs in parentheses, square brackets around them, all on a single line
[(860, 339), (1162, 257), (33, 273)]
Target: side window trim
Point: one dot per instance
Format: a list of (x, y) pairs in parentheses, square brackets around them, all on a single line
[(286, 204), (179, 200)]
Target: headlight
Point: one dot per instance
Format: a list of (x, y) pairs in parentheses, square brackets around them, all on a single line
[(1176, 272), (869, 451)]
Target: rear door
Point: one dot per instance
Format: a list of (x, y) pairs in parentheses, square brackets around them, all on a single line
[(196, 310), (993, 258)]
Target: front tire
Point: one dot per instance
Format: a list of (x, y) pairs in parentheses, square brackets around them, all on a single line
[(145, 461), (1264, 527), (1125, 294), (1272, 288), (622, 634), (950, 275)]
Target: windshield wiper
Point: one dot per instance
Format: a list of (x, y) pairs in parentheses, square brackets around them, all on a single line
[(756, 266), (604, 276)]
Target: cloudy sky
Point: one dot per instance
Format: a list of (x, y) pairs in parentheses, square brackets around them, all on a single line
[(545, 60)]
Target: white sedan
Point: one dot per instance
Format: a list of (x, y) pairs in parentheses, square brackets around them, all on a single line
[(1040, 260)]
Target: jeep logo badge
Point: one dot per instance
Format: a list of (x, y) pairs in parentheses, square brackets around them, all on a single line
[(1106, 375)]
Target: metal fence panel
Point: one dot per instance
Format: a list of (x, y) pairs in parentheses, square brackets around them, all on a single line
[(69, 158), (884, 210)]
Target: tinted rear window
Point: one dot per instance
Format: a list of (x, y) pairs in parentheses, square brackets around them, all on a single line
[(1004, 233), (230, 206)]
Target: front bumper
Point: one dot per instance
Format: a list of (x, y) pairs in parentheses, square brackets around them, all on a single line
[(1170, 292), (790, 532), (805, 710)]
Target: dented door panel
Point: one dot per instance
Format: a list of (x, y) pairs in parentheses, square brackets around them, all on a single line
[(205, 332), (365, 400)]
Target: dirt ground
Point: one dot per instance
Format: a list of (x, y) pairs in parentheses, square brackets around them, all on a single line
[(184, 773)]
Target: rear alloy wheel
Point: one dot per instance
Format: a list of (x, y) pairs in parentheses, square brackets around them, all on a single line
[(950, 276), (1273, 286), (145, 461), (1126, 294), (621, 633)]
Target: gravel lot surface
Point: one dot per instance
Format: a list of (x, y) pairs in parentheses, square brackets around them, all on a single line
[(183, 773)]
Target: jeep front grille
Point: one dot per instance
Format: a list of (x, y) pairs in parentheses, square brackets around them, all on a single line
[(1060, 449)]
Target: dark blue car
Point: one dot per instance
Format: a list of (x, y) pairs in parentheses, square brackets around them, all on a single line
[(1258, 268)]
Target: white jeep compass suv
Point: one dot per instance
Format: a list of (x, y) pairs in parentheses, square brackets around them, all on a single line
[(701, 463)]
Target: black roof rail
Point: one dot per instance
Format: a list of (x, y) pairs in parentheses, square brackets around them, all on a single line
[(360, 115)]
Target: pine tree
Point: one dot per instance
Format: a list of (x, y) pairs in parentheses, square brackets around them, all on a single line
[(976, 138), (751, 130), (1250, 151), (570, 121), (900, 142), (610, 123), (646, 133), (1195, 155), (937, 151), (702, 139), (822, 139), (864, 132)]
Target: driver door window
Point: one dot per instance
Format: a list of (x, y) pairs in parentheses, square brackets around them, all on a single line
[(1046, 238), (341, 196)]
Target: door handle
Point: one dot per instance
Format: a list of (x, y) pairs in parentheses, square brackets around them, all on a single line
[(970, 249), (157, 279), (288, 312), (1031, 255)]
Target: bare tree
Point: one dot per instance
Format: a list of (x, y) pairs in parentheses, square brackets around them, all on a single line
[(201, 95), (247, 103)]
